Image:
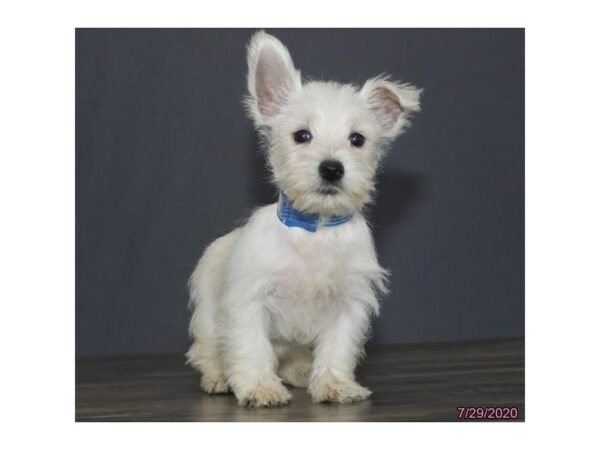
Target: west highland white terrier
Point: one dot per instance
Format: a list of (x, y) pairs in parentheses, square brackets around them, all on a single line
[(288, 297)]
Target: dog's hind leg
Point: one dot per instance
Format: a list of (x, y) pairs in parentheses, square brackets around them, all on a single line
[(294, 366), (204, 354), (204, 357)]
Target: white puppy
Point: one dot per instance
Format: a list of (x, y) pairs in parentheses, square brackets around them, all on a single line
[(288, 297)]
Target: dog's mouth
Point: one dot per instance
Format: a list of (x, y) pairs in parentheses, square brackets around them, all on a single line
[(328, 190)]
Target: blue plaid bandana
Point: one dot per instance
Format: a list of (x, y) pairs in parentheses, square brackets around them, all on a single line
[(291, 217)]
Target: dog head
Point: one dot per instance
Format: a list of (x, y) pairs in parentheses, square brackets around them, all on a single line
[(324, 140)]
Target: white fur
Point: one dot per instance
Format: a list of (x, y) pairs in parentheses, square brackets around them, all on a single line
[(273, 303)]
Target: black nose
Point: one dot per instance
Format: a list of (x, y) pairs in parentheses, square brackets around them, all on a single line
[(331, 170)]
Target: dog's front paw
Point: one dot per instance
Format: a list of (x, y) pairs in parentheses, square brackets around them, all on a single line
[(337, 391), (265, 395)]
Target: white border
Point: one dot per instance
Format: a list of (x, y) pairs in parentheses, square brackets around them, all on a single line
[(37, 186)]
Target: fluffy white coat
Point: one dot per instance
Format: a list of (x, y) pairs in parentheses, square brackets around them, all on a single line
[(274, 304)]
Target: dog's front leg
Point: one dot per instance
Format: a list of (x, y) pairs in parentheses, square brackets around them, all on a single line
[(336, 354), (251, 362)]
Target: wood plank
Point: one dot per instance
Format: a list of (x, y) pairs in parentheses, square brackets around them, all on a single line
[(410, 382)]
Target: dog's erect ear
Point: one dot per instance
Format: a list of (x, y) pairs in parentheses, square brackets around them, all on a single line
[(391, 102), (272, 77)]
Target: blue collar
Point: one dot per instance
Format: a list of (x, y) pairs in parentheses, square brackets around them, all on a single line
[(291, 217)]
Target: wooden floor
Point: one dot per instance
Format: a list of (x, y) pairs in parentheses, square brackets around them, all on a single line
[(409, 382)]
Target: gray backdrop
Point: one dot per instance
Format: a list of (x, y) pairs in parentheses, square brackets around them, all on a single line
[(166, 161)]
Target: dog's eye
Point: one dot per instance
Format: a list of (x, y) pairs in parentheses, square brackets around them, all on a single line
[(302, 136), (357, 140)]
